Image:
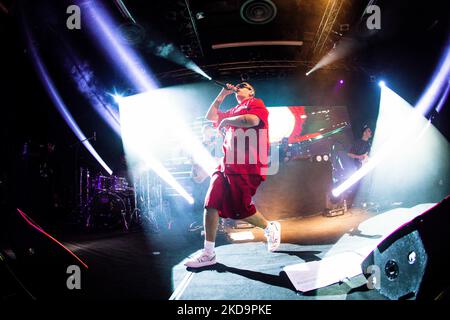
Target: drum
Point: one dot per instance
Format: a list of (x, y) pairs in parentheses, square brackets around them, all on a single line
[(102, 183), (108, 211)]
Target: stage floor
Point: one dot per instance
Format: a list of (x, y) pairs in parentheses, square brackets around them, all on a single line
[(247, 271), (148, 265)]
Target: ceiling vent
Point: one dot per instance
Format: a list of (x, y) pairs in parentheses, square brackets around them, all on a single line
[(258, 11), (131, 33)]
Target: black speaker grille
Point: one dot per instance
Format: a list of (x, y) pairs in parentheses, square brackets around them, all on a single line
[(401, 275)]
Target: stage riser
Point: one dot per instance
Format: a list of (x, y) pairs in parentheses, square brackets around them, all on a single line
[(298, 189)]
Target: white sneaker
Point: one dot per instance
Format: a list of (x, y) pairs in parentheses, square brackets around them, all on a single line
[(201, 259), (273, 236)]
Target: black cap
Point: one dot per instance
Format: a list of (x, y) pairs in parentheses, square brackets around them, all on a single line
[(365, 127)]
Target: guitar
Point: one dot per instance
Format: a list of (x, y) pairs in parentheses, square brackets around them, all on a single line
[(365, 159)]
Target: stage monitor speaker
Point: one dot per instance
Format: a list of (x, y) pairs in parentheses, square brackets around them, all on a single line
[(412, 260)]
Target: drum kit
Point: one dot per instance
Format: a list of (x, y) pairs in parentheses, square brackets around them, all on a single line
[(111, 202), (107, 202)]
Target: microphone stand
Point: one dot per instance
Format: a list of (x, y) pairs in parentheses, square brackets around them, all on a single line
[(83, 188), (94, 137)]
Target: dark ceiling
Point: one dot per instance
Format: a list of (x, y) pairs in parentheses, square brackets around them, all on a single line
[(198, 27)]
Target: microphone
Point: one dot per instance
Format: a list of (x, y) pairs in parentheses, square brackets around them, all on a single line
[(223, 85)]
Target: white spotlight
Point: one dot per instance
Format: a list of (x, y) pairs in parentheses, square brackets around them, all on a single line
[(282, 123), (117, 98), (382, 84), (146, 135)]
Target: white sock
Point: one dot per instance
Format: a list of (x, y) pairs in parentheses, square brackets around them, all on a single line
[(267, 229), (209, 247)]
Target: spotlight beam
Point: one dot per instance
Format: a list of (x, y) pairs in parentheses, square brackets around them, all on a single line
[(439, 83), (124, 10), (162, 172), (342, 49), (101, 21), (59, 103), (394, 144), (144, 117), (443, 98), (102, 26), (135, 70)]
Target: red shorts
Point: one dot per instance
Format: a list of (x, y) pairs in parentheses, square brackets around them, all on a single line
[(232, 194)]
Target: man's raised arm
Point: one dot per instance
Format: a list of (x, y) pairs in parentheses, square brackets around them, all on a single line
[(214, 108)]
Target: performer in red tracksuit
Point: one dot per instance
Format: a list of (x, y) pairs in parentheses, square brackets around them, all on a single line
[(241, 170)]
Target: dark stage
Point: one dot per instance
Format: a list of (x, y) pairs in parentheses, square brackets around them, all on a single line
[(147, 265), (144, 264)]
